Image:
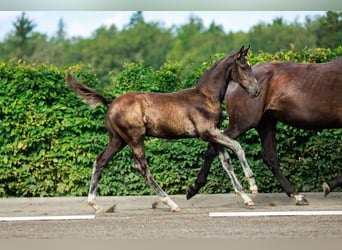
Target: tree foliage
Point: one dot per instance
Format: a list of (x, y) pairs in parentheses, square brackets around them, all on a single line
[(152, 44)]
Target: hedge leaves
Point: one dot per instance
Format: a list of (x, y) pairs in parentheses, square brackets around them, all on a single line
[(49, 138)]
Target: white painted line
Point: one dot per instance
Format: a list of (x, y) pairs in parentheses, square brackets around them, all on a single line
[(276, 213), (44, 218)]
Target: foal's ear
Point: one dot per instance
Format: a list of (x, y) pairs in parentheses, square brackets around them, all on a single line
[(245, 52), (240, 53)]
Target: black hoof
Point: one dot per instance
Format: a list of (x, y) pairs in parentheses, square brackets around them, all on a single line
[(190, 192)]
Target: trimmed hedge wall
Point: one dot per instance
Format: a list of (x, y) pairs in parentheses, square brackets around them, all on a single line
[(50, 138)]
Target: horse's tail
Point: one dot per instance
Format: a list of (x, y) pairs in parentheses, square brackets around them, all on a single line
[(87, 94)]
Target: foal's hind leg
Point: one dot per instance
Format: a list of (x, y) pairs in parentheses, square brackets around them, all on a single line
[(204, 171), (227, 165), (218, 137), (247, 170), (114, 146), (245, 167), (142, 167)]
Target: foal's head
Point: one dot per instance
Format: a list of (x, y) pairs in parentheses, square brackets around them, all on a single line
[(242, 73)]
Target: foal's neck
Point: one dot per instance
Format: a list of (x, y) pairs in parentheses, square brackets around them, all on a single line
[(215, 81)]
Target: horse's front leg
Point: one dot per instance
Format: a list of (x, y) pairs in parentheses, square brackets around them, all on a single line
[(267, 130), (142, 167), (329, 187), (202, 176), (227, 165)]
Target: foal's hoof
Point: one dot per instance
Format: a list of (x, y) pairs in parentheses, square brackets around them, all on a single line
[(301, 200), (326, 189), (190, 192), (97, 209), (254, 191), (175, 209), (249, 203)]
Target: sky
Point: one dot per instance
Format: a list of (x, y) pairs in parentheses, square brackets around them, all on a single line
[(84, 23)]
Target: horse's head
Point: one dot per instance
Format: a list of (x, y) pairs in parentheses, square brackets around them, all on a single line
[(241, 73)]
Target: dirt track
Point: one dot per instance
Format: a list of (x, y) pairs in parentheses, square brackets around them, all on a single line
[(134, 218)]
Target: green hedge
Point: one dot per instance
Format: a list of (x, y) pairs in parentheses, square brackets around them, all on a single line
[(50, 138)]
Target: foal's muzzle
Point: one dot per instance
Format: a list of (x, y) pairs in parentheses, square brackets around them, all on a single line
[(254, 89)]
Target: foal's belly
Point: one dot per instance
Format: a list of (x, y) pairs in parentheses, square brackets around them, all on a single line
[(171, 129)]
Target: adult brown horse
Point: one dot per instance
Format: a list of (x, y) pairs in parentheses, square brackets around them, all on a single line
[(189, 113), (307, 96), (331, 185)]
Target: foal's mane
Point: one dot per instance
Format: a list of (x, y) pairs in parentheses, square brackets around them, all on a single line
[(228, 58)]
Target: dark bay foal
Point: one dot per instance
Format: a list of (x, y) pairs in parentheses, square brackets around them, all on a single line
[(189, 113)]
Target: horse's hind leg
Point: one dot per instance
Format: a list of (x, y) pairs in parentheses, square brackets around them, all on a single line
[(114, 146), (227, 165), (142, 167)]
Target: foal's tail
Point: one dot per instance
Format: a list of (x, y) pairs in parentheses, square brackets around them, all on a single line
[(88, 95)]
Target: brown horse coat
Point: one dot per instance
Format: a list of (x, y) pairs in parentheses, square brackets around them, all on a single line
[(307, 96)]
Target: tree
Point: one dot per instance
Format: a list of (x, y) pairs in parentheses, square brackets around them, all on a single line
[(136, 18), (23, 29), (329, 31), (18, 42), (279, 36), (61, 33)]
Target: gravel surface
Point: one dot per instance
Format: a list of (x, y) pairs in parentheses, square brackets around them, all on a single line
[(145, 217)]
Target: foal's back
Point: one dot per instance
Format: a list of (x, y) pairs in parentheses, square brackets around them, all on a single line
[(163, 115)]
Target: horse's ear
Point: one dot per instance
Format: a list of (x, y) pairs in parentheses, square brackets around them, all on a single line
[(245, 52)]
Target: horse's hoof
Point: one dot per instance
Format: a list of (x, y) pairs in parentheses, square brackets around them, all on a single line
[(301, 200), (254, 191), (190, 192), (326, 189), (302, 203), (176, 209), (97, 209), (249, 203), (111, 209)]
